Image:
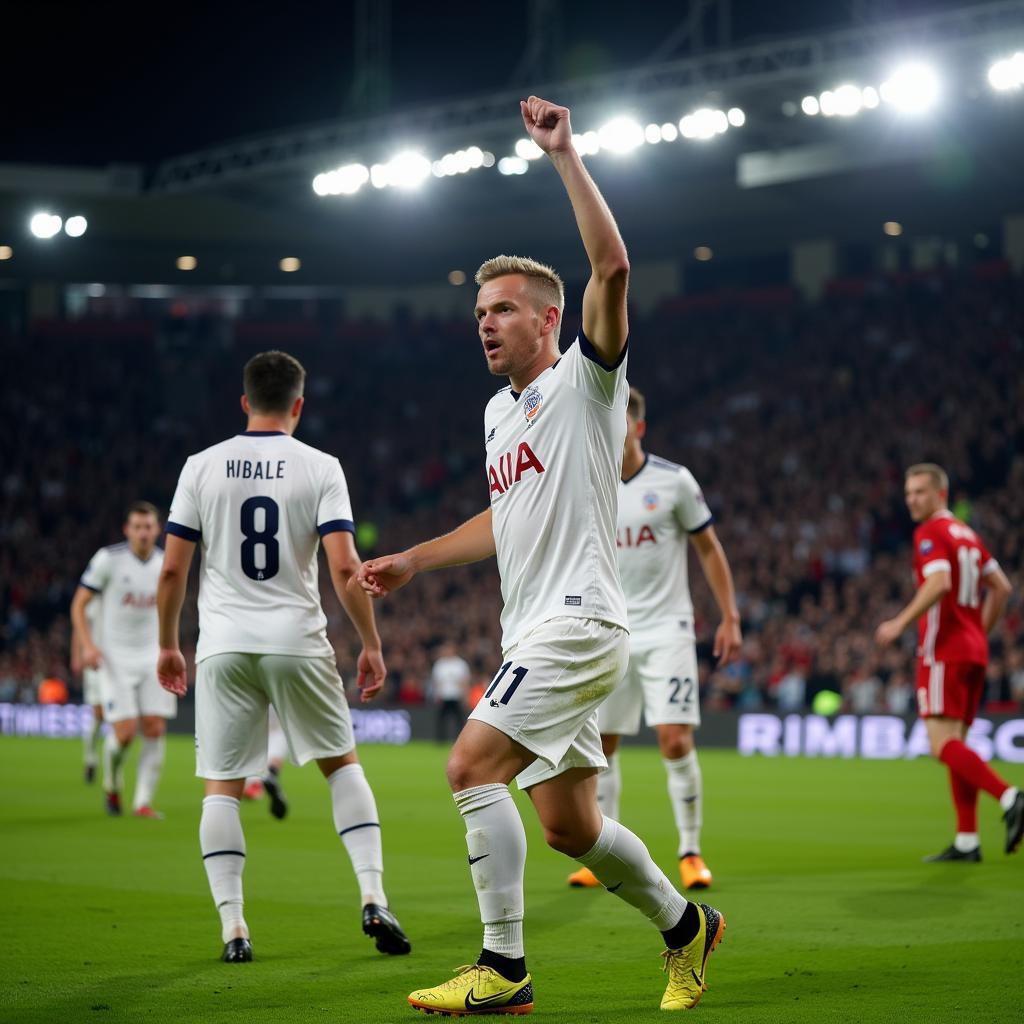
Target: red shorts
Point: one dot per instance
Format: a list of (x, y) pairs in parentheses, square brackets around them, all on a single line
[(950, 689)]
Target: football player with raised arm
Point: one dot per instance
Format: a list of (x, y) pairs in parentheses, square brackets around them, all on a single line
[(553, 450), (260, 504)]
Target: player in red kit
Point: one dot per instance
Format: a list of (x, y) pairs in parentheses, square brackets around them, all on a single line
[(951, 564)]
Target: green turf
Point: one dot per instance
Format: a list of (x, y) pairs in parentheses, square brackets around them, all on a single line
[(831, 915)]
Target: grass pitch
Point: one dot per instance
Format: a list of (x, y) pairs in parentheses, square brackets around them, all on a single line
[(831, 915)]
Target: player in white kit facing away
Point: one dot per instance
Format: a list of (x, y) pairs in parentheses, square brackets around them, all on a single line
[(661, 512), (260, 503), (124, 579), (553, 445)]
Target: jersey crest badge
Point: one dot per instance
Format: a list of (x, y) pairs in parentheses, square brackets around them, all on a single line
[(532, 399), (650, 501), (926, 546)]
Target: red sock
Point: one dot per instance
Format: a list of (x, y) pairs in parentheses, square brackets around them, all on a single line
[(959, 758), (965, 800)]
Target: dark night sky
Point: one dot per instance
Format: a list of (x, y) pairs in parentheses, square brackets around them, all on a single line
[(100, 82)]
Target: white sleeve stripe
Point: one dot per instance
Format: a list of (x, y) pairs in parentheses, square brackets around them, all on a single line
[(990, 567), (939, 565)]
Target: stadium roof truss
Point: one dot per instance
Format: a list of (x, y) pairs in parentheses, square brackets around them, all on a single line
[(767, 73)]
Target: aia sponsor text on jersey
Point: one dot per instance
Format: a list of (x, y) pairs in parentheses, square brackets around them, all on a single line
[(628, 538), (511, 468)]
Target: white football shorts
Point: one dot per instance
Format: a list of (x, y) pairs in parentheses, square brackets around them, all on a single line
[(547, 691), (661, 679), (233, 695), (129, 688)]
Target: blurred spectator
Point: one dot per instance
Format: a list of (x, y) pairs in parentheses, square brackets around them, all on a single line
[(449, 684)]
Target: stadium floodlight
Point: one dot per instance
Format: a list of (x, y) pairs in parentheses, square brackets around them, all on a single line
[(669, 132), (586, 144), (527, 149), (45, 224), (186, 263), (810, 106), (513, 165), (703, 253), (848, 101), (736, 117), (652, 134), (869, 97), (911, 88), (6, 252), (345, 180), (290, 264), (488, 160), (620, 135), (827, 103), (893, 228), (406, 170), (76, 226), (1007, 74), (704, 124)]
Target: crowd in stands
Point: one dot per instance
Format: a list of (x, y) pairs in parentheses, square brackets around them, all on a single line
[(797, 420)]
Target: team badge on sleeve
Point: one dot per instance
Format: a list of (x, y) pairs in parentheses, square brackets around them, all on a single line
[(532, 399), (926, 546)]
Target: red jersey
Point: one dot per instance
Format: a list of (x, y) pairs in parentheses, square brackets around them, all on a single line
[(951, 629)]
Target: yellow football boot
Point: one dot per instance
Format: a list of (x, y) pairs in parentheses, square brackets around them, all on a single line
[(686, 966), (694, 872), (475, 990), (584, 879)]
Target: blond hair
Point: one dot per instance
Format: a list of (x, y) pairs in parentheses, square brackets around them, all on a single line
[(938, 475), (636, 406), (544, 283)]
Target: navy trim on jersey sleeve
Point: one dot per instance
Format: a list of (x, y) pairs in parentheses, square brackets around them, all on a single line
[(95, 590), (334, 525), (185, 532), (703, 526), (587, 348)]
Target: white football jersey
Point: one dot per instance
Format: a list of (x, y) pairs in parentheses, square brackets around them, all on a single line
[(258, 504), (128, 626), (93, 615), (660, 505), (554, 455)]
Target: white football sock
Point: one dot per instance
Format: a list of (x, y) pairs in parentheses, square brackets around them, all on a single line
[(496, 841), (151, 762), (609, 788), (358, 825), (113, 763), (966, 841), (1008, 797), (624, 867), (686, 793), (223, 846), (90, 741)]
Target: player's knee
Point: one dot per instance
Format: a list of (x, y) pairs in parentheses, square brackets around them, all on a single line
[(566, 838), (676, 744), (460, 772)]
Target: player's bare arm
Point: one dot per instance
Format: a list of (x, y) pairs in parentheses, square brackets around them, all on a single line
[(343, 562), (90, 655), (934, 588), (473, 541), (170, 596), (997, 592), (604, 300), (728, 636)]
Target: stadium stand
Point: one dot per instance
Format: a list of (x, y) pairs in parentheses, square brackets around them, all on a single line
[(797, 419)]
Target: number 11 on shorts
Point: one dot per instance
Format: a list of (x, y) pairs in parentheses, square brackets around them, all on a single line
[(518, 675)]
